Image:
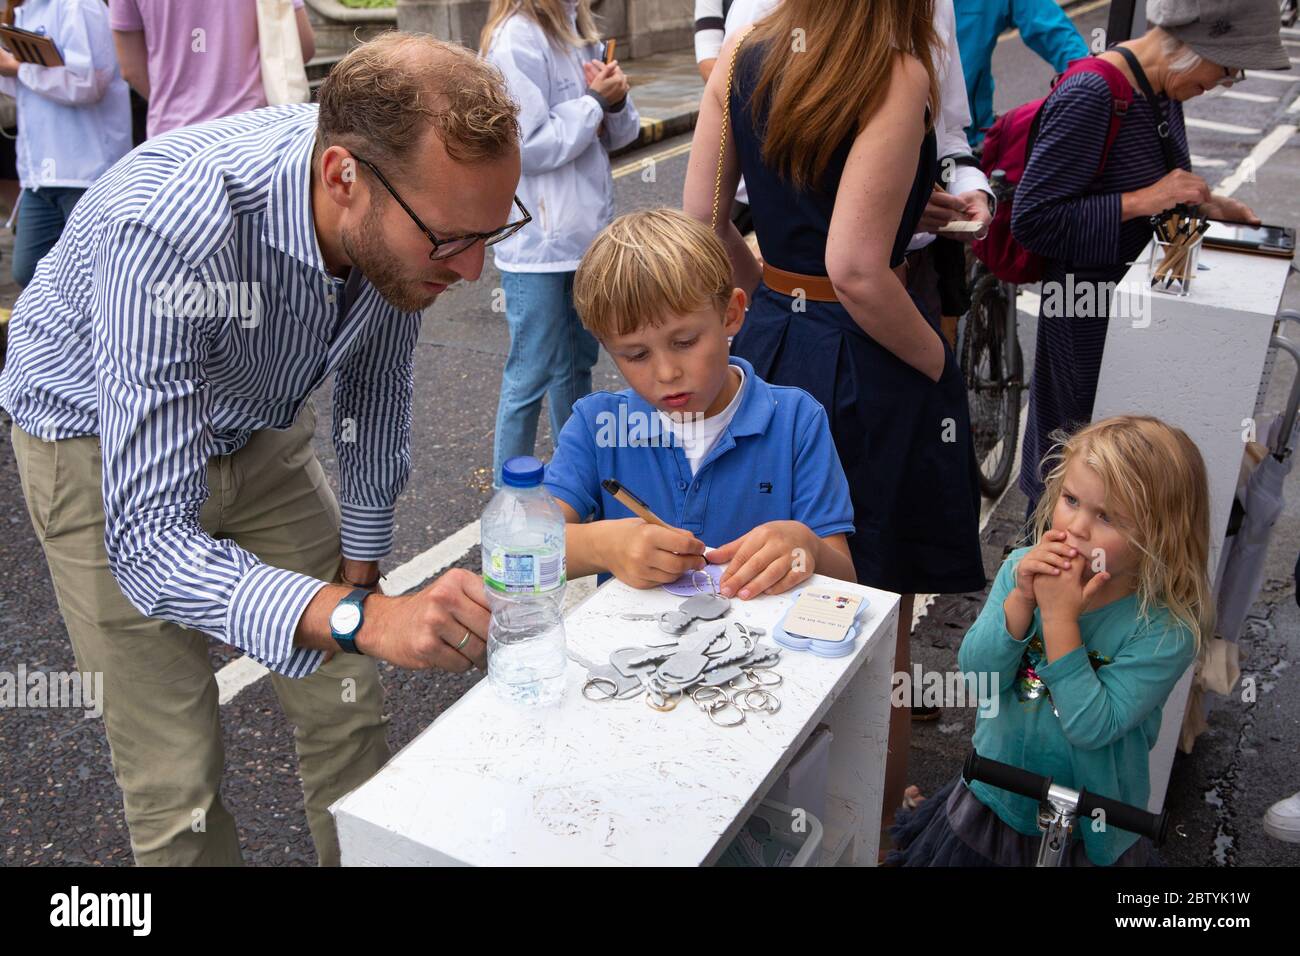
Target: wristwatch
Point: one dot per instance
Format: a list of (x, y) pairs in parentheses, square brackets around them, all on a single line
[(346, 620)]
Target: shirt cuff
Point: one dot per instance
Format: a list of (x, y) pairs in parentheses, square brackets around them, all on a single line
[(367, 532), (604, 103), (263, 616)]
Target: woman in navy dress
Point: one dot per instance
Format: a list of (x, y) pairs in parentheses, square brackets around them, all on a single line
[(829, 123)]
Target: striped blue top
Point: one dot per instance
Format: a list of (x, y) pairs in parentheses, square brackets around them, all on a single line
[(1059, 211), (187, 306)]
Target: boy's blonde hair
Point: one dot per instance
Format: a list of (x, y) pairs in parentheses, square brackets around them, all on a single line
[(647, 265), (1155, 474)]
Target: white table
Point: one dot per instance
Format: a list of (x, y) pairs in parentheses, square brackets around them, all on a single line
[(616, 783), (1194, 362)]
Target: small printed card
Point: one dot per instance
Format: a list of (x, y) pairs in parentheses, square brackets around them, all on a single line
[(822, 615)]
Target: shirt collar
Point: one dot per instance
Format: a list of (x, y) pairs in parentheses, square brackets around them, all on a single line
[(757, 403), (290, 226)]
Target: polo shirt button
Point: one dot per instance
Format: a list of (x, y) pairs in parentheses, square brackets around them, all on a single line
[(697, 486), (681, 486)]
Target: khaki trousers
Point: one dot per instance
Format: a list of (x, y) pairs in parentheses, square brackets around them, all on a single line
[(160, 695)]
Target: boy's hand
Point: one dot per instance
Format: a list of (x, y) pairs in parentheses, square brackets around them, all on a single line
[(1050, 558), (771, 559), (1064, 596), (646, 555)]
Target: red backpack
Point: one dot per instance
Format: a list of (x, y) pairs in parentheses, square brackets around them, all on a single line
[(1007, 145)]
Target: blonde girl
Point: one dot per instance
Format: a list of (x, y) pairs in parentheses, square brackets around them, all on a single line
[(1083, 636)]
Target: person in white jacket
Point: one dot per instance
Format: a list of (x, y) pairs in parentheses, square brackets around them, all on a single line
[(573, 110), (74, 121)]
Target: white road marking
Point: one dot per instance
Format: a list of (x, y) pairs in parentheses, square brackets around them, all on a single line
[(1265, 148), (1270, 75), (1249, 97), (235, 676), (1221, 127), (1204, 161)]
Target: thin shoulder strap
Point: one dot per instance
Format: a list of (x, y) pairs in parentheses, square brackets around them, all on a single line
[(1162, 124), (726, 116)]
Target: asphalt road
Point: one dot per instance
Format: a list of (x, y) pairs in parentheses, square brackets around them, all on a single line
[(58, 800)]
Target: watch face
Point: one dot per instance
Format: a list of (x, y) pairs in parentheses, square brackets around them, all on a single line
[(345, 618)]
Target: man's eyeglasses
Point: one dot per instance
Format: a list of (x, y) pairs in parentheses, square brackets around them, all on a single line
[(452, 245)]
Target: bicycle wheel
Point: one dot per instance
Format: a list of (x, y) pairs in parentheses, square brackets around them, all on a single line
[(993, 394)]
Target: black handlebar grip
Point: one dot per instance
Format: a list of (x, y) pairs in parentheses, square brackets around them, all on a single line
[(1007, 777), (1125, 816)]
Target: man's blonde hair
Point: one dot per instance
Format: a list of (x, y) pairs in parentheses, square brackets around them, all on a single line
[(380, 99), (647, 265)]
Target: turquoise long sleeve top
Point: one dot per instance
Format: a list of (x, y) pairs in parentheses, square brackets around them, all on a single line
[(1088, 719)]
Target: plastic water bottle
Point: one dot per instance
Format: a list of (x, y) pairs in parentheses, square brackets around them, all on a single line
[(524, 573)]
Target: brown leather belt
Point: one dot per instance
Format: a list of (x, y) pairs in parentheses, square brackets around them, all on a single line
[(816, 288), (794, 284)]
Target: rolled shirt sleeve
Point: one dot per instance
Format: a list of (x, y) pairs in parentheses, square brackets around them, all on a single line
[(156, 440), (372, 435)]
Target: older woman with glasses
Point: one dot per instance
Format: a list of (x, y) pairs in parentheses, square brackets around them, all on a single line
[(574, 109), (1088, 210)]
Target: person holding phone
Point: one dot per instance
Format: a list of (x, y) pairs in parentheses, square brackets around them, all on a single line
[(574, 109), (74, 120)]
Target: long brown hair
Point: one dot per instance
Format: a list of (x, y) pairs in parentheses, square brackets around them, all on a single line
[(828, 63), (549, 15)]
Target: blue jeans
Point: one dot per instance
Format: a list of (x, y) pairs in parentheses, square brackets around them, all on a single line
[(42, 214), (551, 354)]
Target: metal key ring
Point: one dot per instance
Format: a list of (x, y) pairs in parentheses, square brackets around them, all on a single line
[(668, 703), (595, 682), (744, 676), (713, 585), (776, 679), (771, 704), (716, 694), (716, 708)]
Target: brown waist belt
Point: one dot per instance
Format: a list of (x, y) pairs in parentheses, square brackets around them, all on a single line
[(816, 288)]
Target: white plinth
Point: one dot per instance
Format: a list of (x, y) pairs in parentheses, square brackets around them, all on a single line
[(616, 783), (1195, 362)]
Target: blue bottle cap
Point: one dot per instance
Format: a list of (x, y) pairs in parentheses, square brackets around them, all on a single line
[(524, 471)]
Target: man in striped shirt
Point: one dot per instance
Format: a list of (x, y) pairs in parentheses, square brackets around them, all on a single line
[(158, 377)]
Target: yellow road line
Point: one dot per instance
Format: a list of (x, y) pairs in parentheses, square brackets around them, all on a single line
[(636, 165)]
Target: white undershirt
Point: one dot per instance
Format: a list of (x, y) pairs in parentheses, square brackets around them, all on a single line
[(698, 435)]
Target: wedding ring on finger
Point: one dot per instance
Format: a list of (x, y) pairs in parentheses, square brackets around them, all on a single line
[(463, 641)]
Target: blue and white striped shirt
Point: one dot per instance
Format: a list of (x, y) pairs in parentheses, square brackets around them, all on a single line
[(187, 306)]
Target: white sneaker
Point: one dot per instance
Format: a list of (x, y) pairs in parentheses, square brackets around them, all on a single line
[(1282, 821)]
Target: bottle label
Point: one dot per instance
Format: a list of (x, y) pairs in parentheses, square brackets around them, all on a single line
[(524, 572)]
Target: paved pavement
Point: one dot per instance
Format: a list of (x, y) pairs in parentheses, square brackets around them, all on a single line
[(58, 801)]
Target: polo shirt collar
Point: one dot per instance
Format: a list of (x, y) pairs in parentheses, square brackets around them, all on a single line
[(289, 224), (757, 403)]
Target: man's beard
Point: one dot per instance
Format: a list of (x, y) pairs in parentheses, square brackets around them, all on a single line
[(365, 249)]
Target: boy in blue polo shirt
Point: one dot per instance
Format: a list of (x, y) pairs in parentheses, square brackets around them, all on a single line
[(736, 465)]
